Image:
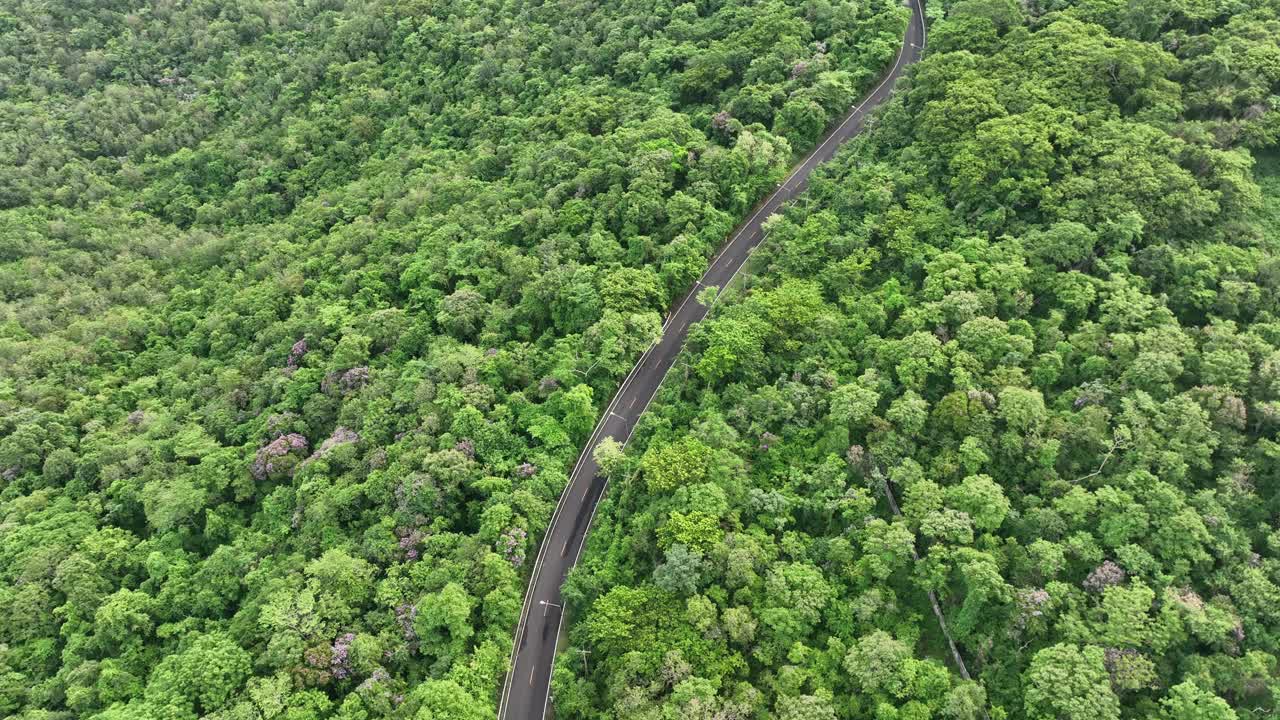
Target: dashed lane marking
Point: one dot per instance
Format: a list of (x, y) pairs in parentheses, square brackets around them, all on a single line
[(815, 158)]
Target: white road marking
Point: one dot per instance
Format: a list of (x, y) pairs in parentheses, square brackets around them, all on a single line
[(631, 375)]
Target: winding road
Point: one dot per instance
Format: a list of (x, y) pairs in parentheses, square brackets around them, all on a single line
[(526, 692)]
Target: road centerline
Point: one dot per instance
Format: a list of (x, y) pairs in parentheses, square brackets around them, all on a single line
[(642, 382)]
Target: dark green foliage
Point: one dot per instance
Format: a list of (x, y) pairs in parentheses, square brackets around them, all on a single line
[(1038, 302), (307, 307)]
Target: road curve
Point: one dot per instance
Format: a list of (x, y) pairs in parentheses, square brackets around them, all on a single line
[(526, 692)]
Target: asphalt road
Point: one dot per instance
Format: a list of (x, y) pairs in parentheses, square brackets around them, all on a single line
[(525, 694)]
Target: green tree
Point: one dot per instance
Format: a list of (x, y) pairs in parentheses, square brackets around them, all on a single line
[(876, 663), (1186, 701), (1066, 681), (444, 622), (679, 463)]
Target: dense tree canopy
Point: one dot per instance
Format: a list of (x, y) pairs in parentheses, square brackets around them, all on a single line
[(1015, 351), (306, 308)]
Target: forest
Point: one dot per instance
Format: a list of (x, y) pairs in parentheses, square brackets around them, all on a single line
[(1017, 352), (306, 309)]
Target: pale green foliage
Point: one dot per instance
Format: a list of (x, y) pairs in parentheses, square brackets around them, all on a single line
[(1066, 682)]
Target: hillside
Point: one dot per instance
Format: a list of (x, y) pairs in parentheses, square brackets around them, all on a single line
[(308, 307), (305, 308), (1038, 307)]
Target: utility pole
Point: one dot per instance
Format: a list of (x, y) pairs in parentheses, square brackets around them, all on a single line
[(546, 604), (584, 654)]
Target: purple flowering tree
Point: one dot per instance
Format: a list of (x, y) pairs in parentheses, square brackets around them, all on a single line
[(511, 546), (339, 658), (1104, 576), (279, 456), (296, 353), (340, 436), (410, 540)]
